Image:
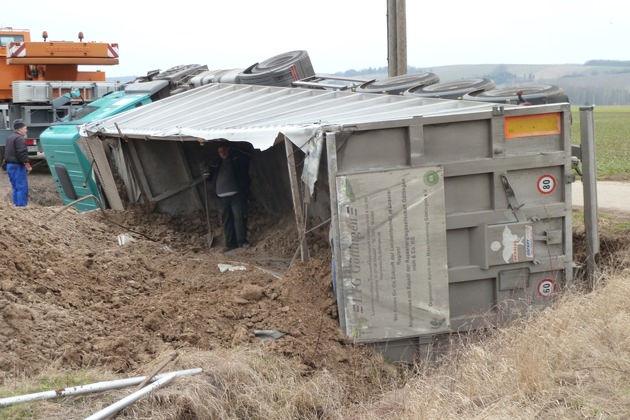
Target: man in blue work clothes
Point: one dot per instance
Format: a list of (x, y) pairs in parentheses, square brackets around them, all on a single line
[(18, 165), (231, 182)]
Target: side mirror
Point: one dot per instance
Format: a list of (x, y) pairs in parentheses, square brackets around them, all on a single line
[(66, 98), (61, 101)]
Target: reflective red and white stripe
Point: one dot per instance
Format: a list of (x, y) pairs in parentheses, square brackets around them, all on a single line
[(112, 50), (17, 49)]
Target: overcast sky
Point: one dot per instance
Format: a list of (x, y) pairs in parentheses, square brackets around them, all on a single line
[(337, 34)]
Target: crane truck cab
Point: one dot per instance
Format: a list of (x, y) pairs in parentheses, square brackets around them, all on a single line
[(34, 73)]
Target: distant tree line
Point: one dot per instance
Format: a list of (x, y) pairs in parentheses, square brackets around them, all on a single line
[(612, 63), (501, 75), (371, 71), (593, 92)]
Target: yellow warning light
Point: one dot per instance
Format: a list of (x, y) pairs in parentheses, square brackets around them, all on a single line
[(532, 125)]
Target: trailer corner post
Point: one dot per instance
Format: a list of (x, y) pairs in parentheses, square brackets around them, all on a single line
[(297, 199), (331, 153)]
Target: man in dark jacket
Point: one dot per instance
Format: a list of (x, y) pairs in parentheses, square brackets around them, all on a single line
[(231, 182), (18, 165)]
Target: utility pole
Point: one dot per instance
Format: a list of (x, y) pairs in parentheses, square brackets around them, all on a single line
[(396, 38)]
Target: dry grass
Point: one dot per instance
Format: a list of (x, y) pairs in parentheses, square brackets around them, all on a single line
[(244, 384), (572, 361), (234, 384)]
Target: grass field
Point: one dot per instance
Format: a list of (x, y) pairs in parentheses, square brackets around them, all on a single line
[(612, 141)]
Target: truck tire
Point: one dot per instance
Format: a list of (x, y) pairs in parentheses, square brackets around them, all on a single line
[(451, 90), (280, 70), (533, 94), (398, 84)]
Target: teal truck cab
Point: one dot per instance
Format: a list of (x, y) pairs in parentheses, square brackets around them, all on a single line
[(70, 168), (72, 171)]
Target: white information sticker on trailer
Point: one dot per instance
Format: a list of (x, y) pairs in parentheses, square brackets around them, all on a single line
[(393, 253)]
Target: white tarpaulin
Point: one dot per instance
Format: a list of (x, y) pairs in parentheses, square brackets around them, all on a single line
[(257, 114)]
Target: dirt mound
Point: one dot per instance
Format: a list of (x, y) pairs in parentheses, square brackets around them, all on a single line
[(115, 289)]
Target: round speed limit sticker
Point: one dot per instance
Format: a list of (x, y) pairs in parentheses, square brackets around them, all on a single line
[(546, 184), (546, 287)]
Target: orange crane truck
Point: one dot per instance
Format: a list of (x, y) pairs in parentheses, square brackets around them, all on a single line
[(35, 73)]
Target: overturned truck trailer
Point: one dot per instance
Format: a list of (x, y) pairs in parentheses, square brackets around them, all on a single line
[(449, 223), (445, 215)]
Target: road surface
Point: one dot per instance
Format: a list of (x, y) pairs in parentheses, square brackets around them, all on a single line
[(610, 195)]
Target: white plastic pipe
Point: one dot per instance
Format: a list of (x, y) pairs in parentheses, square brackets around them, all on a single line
[(86, 389), (130, 399)]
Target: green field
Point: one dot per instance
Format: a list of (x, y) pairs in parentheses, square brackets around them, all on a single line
[(612, 140)]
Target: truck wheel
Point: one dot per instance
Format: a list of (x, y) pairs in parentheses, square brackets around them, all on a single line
[(451, 90), (533, 94), (279, 70), (398, 84)]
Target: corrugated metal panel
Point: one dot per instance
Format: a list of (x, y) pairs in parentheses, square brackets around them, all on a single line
[(258, 113)]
